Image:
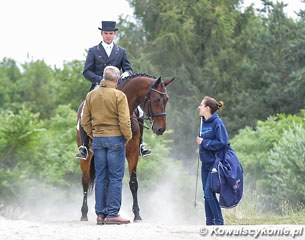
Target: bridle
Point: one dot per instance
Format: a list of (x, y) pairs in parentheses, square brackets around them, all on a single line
[(147, 102)]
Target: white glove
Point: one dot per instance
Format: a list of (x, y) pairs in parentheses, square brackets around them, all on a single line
[(141, 112), (125, 75)]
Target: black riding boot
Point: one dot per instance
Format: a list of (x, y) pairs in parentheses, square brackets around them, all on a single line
[(143, 152), (83, 149)]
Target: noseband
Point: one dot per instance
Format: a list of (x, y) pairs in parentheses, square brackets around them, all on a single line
[(147, 101)]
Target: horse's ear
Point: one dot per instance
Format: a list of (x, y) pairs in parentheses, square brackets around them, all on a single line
[(168, 81), (158, 82)]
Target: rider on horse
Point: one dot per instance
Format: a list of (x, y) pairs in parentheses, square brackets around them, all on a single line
[(107, 53)]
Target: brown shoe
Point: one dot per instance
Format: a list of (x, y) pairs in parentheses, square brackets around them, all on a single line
[(100, 220), (116, 220)]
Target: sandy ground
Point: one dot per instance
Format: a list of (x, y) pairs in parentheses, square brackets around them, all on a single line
[(68, 230), (54, 215), (20, 229)]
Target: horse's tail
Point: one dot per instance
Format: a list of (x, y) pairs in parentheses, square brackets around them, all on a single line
[(92, 175)]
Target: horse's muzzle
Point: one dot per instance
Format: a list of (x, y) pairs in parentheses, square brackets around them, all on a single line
[(157, 130)]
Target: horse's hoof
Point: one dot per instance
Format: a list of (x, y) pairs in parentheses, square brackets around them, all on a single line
[(137, 219), (84, 218)]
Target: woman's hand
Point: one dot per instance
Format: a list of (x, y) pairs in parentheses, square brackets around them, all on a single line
[(199, 140)]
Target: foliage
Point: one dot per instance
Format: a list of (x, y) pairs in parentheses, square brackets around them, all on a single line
[(273, 157), (72, 86), (285, 180), (9, 74), (37, 88), (36, 149), (19, 134), (57, 149)]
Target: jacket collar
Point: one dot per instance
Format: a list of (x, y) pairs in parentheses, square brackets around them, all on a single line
[(105, 45), (107, 84), (211, 119), (115, 50)]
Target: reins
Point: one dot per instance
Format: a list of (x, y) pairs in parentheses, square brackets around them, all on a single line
[(142, 124)]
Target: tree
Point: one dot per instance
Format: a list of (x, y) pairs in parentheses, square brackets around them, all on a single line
[(37, 88), (9, 75), (185, 39), (245, 59), (71, 86)]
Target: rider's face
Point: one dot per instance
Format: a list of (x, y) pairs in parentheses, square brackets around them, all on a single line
[(108, 36)]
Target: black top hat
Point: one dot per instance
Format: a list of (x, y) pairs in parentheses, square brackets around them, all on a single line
[(108, 26)]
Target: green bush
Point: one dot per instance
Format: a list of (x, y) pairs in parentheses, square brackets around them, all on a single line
[(37, 150), (54, 159), (272, 156), (286, 169), (19, 134)]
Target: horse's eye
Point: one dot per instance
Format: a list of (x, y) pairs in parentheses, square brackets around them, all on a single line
[(156, 100)]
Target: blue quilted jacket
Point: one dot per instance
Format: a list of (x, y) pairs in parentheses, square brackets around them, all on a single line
[(215, 139)]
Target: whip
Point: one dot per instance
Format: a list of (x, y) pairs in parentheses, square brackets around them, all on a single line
[(197, 170)]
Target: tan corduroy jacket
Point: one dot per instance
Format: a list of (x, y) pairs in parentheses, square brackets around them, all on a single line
[(106, 112)]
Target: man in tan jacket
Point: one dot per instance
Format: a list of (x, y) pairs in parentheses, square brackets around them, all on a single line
[(106, 119)]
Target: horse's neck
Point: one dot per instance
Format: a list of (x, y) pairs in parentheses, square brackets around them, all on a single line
[(134, 91)]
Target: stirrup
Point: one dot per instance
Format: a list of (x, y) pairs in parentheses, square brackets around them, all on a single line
[(82, 152), (144, 152)]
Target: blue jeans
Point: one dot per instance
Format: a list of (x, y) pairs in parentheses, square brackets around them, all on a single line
[(212, 209), (109, 162)]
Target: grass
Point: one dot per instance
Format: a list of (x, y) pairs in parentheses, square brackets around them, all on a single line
[(233, 217), (250, 211)]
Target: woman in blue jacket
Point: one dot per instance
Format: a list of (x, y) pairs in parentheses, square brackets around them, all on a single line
[(212, 141)]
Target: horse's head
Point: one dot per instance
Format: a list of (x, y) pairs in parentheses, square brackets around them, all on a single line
[(150, 93), (154, 104)]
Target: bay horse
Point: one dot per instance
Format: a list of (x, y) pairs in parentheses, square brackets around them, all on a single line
[(151, 94)]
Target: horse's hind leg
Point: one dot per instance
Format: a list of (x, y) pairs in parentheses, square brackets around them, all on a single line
[(87, 180), (133, 184), (84, 209)]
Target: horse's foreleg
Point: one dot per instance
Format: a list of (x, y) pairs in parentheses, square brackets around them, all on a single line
[(132, 155), (133, 184)]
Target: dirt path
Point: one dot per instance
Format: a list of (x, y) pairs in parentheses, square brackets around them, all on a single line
[(30, 230), (71, 230), (54, 215)]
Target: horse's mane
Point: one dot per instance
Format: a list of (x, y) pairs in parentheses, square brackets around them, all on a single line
[(140, 75), (126, 80)]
